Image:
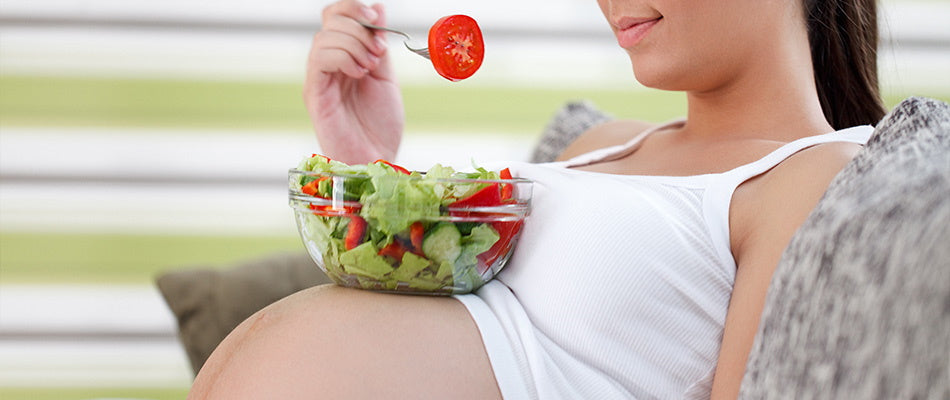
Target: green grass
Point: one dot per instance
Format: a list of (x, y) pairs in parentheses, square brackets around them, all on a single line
[(13, 393), (118, 102), (115, 258), (243, 106), (525, 110)]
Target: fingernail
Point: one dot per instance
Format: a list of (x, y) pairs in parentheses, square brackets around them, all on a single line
[(370, 14), (380, 43)]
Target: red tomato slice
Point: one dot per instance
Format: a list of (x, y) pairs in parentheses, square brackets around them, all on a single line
[(354, 232), (456, 47)]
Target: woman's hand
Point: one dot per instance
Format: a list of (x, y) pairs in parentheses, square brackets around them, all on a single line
[(350, 91)]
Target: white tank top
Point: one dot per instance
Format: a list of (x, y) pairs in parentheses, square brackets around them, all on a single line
[(619, 284)]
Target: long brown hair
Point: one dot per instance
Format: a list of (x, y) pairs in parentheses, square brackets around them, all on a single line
[(843, 35)]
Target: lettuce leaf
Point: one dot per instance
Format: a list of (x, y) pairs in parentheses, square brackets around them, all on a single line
[(482, 238), (397, 202), (363, 260)]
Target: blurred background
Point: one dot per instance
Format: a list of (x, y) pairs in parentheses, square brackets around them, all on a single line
[(142, 136)]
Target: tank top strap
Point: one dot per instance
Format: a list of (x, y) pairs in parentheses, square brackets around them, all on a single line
[(718, 196), (618, 151), (858, 134)]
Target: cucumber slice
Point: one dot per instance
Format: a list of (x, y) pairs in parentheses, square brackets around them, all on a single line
[(443, 243)]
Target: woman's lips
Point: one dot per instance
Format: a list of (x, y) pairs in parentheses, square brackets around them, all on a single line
[(635, 32)]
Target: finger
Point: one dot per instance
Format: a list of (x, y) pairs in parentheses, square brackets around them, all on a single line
[(384, 70), (380, 36), (333, 40), (339, 61), (352, 9), (373, 41), (345, 16)]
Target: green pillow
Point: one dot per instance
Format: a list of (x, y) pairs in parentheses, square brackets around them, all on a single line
[(210, 302)]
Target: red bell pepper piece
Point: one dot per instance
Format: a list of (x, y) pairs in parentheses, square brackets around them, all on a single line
[(506, 232), (416, 234), (354, 232), (507, 189), (330, 211), (394, 166), (311, 188), (487, 197), (492, 195)]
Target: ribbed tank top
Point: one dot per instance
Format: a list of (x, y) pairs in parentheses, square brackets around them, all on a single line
[(619, 285)]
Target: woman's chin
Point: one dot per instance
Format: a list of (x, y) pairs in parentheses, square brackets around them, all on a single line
[(662, 80)]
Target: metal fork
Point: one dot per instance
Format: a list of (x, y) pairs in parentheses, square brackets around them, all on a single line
[(422, 52)]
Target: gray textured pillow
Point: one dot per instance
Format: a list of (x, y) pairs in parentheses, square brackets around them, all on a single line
[(567, 124), (859, 307)]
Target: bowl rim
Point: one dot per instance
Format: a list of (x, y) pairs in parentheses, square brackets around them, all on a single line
[(421, 176), (301, 202)]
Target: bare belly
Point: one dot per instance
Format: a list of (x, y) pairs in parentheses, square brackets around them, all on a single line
[(336, 343)]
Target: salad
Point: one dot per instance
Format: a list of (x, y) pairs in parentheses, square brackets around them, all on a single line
[(380, 226)]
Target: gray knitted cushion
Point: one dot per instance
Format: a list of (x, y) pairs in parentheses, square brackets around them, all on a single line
[(567, 124), (859, 307)]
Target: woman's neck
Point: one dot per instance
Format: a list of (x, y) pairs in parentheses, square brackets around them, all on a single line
[(772, 98)]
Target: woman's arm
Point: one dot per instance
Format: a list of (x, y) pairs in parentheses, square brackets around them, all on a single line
[(350, 89), (766, 212)]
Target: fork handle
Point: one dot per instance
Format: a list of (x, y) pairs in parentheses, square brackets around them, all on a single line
[(390, 30)]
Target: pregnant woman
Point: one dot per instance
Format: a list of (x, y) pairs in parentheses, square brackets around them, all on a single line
[(645, 265)]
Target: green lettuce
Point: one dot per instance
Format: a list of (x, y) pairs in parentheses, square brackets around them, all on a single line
[(482, 238), (363, 260), (396, 202)]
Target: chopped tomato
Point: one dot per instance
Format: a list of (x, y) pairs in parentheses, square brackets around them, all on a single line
[(416, 234), (399, 246), (395, 250), (456, 47), (354, 232)]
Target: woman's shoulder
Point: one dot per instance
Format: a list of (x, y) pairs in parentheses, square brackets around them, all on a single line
[(812, 167), (606, 134), (779, 200)]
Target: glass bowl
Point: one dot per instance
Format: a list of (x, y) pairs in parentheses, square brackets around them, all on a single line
[(401, 240)]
